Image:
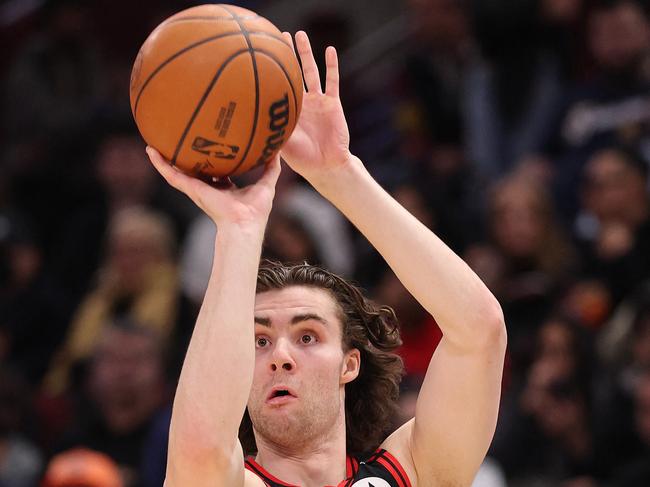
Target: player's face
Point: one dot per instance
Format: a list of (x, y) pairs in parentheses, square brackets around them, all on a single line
[(300, 368)]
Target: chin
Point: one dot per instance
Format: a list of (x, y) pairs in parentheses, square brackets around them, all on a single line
[(287, 433)]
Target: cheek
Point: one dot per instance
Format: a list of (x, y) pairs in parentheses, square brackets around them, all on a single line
[(323, 372)]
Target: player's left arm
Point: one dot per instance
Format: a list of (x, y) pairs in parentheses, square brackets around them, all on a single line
[(457, 408), (458, 404)]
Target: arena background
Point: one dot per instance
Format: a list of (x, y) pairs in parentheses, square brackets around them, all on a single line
[(518, 130)]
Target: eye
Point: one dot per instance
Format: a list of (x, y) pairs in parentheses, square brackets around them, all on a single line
[(261, 342), (308, 338)]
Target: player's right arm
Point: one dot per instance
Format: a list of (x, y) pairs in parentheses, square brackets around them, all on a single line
[(217, 373)]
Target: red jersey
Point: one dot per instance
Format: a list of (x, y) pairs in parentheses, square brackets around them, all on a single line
[(381, 469)]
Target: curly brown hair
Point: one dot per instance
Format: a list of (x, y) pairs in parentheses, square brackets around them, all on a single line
[(371, 399)]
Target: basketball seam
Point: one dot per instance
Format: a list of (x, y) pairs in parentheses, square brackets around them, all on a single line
[(171, 58), (251, 51), (202, 101), (286, 74)]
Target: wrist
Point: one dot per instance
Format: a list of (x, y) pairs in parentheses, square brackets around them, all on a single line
[(241, 233), (338, 175)]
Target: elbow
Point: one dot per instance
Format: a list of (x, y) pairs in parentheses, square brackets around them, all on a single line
[(494, 326), (486, 329), (481, 331)]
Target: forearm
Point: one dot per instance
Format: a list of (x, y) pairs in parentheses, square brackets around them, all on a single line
[(217, 373), (461, 304)]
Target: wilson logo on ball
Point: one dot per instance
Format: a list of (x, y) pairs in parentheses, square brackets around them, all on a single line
[(279, 115)]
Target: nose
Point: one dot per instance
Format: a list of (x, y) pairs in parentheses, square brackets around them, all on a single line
[(281, 357)]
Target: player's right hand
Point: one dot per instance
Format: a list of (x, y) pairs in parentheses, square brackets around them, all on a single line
[(248, 206)]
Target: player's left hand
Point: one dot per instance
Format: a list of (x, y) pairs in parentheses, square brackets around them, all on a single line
[(319, 146)]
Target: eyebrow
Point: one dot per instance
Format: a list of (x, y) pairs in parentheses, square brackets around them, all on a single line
[(295, 320)]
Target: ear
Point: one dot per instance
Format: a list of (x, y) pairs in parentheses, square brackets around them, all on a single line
[(351, 366)]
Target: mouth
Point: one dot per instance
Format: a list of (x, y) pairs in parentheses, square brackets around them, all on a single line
[(280, 394)]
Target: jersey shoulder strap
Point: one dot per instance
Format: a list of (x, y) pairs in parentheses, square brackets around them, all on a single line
[(381, 469)]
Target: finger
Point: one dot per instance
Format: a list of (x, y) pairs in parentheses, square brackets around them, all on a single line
[(271, 173), (172, 175), (332, 75), (309, 67), (289, 40)]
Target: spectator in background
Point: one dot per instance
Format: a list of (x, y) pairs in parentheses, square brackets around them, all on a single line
[(625, 338), (625, 349), (127, 180), (446, 179), (432, 77), (126, 390), (636, 471), (515, 80), (613, 106), (138, 279), (54, 87), (34, 311), (614, 227), (20, 460), (287, 240), (545, 433), (428, 116), (196, 258), (122, 178)]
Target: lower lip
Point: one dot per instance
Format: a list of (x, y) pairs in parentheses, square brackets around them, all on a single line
[(278, 400)]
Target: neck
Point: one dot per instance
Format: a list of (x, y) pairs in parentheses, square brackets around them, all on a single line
[(320, 462)]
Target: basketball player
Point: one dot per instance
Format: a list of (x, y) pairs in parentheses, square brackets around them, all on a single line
[(309, 358)]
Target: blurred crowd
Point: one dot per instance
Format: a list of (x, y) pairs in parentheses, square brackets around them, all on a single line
[(519, 131)]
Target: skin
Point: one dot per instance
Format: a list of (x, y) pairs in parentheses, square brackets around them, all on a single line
[(227, 368)]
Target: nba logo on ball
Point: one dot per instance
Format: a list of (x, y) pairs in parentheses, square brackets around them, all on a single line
[(217, 90), (371, 482)]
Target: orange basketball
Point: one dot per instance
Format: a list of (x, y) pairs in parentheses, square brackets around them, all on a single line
[(216, 89)]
